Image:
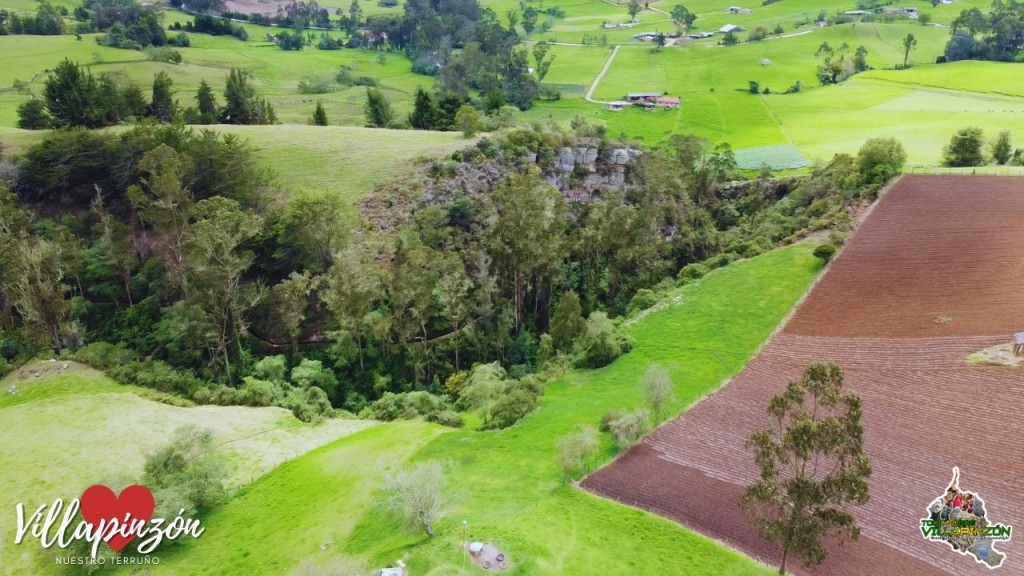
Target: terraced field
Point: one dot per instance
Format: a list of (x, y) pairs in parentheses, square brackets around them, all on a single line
[(930, 277)]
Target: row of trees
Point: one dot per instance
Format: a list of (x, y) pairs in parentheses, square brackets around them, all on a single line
[(74, 97), (47, 21), (968, 147)]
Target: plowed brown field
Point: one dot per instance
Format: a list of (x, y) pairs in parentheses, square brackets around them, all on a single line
[(935, 272)]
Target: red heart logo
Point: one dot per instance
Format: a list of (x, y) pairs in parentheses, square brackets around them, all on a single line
[(100, 504)]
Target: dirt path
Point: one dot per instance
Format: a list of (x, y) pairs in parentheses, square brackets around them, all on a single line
[(607, 65)]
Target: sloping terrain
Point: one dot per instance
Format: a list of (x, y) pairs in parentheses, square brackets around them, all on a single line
[(932, 275)]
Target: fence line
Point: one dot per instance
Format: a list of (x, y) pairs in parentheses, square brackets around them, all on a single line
[(969, 171)]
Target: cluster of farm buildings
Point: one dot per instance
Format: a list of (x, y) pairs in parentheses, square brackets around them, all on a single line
[(647, 100)]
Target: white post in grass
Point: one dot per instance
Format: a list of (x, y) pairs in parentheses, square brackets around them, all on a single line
[(465, 544)]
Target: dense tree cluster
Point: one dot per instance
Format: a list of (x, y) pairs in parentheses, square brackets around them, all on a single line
[(127, 23), (47, 21), (837, 64), (206, 24), (998, 35), (172, 245), (74, 97)]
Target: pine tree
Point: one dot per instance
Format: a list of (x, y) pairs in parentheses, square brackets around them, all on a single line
[(239, 99), (425, 114), (206, 103), (320, 115), (241, 105), (71, 96), (378, 109), (162, 106)]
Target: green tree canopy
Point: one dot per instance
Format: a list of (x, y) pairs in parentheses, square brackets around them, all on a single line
[(812, 466)]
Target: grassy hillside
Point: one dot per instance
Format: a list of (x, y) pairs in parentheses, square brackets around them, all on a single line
[(306, 503), (507, 484), (66, 429), (343, 160)]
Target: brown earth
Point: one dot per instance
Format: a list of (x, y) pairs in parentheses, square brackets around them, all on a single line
[(934, 274)]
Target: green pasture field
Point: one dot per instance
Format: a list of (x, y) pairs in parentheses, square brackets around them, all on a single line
[(922, 119), (277, 72), (306, 508), (344, 160), (921, 106), (507, 484), (65, 430)]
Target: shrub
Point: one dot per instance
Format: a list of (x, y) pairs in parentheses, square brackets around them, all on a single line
[(454, 384), (309, 404), (158, 375), (271, 368), (311, 373), (104, 355), (423, 402), (191, 465), (965, 148), (629, 429), (260, 392), (602, 343), (693, 271), (642, 300), (511, 408), (609, 417), (315, 86), (447, 418), (879, 159), (721, 260), (387, 408), (163, 54), (825, 252)]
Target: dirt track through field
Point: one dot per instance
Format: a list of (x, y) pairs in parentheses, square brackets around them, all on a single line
[(935, 273)]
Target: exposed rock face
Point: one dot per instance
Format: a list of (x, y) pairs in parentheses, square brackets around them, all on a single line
[(581, 172)]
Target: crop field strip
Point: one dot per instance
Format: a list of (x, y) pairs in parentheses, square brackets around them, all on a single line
[(930, 277)]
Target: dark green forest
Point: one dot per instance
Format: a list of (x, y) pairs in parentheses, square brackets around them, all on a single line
[(167, 256)]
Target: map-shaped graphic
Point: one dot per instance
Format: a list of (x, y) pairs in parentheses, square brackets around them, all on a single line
[(959, 518)]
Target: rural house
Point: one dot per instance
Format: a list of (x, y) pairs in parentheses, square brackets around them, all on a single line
[(738, 10), (730, 28)]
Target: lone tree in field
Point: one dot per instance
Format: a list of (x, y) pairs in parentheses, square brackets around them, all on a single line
[(417, 494), (965, 148), (633, 8), (575, 449), (908, 44), (657, 386), (320, 115), (812, 463)]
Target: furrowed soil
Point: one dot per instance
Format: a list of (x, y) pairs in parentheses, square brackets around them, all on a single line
[(934, 274)]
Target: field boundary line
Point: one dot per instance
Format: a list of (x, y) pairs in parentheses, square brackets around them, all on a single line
[(597, 80), (775, 119), (793, 310)]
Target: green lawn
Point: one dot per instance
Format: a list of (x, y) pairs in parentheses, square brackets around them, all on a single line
[(304, 504), (343, 160), (65, 430)]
